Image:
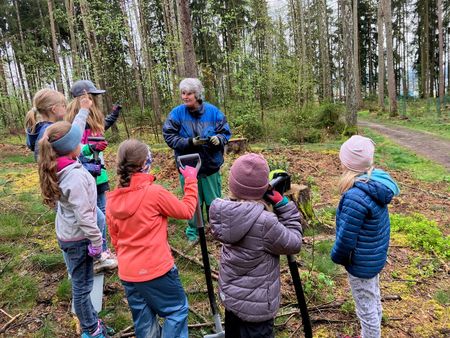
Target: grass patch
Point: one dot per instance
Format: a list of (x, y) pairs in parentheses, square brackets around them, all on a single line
[(442, 297), (18, 291), (12, 227), (64, 290), (17, 158), (47, 330), (395, 157), (48, 261), (421, 234)]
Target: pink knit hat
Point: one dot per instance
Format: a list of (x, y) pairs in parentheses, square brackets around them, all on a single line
[(249, 177), (357, 153)]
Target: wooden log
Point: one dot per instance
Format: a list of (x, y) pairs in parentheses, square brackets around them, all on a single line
[(236, 146), (301, 196)]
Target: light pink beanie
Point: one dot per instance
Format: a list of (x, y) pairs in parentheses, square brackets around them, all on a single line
[(357, 153), (249, 177)]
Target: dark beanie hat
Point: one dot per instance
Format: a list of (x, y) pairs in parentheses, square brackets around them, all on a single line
[(249, 177)]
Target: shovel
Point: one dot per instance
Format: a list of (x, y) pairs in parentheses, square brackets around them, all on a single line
[(195, 161)]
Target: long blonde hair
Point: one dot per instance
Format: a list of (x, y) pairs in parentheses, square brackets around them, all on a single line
[(349, 177), (131, 156), (47, 164), (95, 120), (43, 102)]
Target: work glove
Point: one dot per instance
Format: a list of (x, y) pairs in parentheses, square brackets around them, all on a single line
[(197, 141), (98, 146), (214, 140), (188, 172), (116, 108), (94, 251), (275, 198), (93, 168)]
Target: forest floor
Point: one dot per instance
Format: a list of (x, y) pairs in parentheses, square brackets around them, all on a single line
[(415, 283), (423, 143)]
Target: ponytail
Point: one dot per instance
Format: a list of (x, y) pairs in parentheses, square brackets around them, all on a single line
[(47, 164), (31, 120), (48, 178)]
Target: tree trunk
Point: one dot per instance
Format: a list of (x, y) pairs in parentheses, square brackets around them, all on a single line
[(441, 55), (323, 47), (59, 81), (131, 48), (390, 59), (349, 66), (356, 64), (381, 63), (22, 75), (73, 41), (184, 14), (405, 54)]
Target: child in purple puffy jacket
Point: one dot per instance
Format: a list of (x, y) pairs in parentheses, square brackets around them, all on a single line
[(253, 239)]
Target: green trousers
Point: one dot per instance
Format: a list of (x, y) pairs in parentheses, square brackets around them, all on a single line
[(209, 188)]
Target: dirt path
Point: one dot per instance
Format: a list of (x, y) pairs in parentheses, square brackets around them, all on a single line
[(424, 144)]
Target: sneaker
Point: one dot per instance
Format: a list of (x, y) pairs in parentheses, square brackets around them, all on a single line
[(101, 332), (107, 261)]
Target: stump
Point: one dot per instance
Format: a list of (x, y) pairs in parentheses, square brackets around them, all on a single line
[(236, 146), (301, 196)]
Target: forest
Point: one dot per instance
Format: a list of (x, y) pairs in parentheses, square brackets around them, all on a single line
[(295, 79)]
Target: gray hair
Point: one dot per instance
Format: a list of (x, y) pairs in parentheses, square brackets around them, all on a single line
[(193, 85)]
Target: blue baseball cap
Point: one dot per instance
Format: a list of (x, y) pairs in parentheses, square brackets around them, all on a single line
[(81, 87)]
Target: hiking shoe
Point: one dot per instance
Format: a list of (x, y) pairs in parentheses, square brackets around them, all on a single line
[(107, 261), (102, 331)]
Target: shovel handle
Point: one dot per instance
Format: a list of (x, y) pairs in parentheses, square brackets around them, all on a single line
[(95, 138), (183, 160)]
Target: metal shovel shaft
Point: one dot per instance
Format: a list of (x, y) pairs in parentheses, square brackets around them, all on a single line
[(300, 296), (209, 285)]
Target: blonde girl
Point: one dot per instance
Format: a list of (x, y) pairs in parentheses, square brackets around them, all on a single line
[(49, 106), (68, 186), (363, 228), (96, 125)]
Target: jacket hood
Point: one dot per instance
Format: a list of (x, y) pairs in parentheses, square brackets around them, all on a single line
[(123, 203), (379, 192), (67, 169), (230, 220), (32, 138)]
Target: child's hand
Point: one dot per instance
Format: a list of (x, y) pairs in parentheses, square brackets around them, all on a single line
[(188, 172), (85, 101), (98, 146), (214, 140), (273, 197), (94, 251)]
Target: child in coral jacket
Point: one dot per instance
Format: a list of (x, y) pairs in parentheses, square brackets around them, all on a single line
[(137, 213)]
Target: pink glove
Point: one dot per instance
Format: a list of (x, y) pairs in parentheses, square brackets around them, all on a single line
[(273, 197), (188, 172), (94, 251), (98, 146)]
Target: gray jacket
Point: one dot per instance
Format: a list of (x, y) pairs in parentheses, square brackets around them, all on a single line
[(253, 239), (76, 217)]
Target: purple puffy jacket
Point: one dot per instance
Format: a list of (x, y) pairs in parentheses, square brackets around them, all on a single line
[(253, 239)]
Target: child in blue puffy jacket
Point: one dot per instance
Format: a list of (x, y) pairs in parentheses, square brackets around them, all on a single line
[(363, 228)]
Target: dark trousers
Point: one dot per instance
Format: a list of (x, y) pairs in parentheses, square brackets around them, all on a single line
[(237, 328)]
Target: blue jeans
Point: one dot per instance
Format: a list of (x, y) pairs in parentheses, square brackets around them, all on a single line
[(101, 224), (101, 208), (163, 296), (81, 268)]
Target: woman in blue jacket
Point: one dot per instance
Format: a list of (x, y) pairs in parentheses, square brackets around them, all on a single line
[(199, 127), (363, 228)]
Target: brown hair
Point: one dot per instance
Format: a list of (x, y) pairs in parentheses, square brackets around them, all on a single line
[(95, 120), (47, 164), (131, 156), (43, 102), (349, 177)]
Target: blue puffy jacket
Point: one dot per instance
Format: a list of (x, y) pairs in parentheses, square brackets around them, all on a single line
[(181, 126), (33, 137), (363, 228)]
